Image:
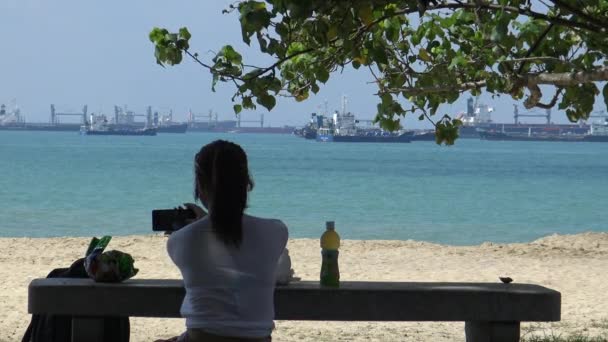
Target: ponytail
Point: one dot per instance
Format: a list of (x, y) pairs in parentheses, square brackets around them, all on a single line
[(222, 181)]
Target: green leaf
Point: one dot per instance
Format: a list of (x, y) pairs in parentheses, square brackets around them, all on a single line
[(248, 103), (322, 74), (424, 55), (275, 85), (457, 61), (379, 54), (301, 96), (182, 44), (184, 33), (501, 29), (237, 108), (231, 55), (267, 101), (365, 14), (172, 37), (155, 35)]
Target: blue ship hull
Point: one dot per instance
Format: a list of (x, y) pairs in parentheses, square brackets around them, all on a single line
[(324, 137), (402, 138), (568, 138), (135, 132)]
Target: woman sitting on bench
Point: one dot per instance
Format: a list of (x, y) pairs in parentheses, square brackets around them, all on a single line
[(227, 259)]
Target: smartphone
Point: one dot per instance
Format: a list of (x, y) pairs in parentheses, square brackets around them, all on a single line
[(171, 219)]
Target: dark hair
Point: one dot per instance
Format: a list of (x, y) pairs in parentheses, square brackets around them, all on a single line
[(222, 176)]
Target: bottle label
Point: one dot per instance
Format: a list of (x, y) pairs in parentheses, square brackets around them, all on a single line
[(330, 273)]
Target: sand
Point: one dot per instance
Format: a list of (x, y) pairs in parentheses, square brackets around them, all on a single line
[(575, 265)]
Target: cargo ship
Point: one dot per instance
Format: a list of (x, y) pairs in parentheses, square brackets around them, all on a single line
[(210, 123), (478, 118), (306, 132), (173, 127), (215, 126), (10, 117), (12, 120), (98, 125), (268, 130), (424, 135), (165, 124), (598, 132), (114, 131), (367, 136), (309, 131), (123, 120), (342, 127)]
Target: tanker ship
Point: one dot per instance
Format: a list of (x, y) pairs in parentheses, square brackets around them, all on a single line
[(478, 119), (98, 125), (598, 132), (12, 120), (342, 127)]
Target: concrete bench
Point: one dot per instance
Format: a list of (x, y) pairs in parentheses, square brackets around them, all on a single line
[(492, 311)]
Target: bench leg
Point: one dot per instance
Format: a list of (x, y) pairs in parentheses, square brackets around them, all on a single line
[(492, 331), (87, 329)]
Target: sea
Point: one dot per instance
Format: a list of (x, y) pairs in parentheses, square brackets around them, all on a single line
[(64, 184)]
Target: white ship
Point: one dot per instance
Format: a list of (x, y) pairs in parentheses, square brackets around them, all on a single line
[(10, 117)]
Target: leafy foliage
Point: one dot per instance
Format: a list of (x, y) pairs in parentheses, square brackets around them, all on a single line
[(425, 52)]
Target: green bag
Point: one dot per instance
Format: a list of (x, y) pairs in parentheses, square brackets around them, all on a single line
[(112, 266)]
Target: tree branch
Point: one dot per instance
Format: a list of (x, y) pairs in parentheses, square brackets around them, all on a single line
[(535, 46), (438, 89), (260, 71), (553, 100), (579, 13), (281, 61), (522, 11), (535, 96), (198, 60), (530, 81), (567, 78)]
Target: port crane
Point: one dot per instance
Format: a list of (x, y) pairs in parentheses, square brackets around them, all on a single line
[(239, 120), (537, 114), (125, 116), (55, 115), (212, 117)]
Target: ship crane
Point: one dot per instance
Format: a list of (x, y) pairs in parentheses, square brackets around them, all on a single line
[(517, 115), (124, 116), (238, 120), (55, 115), (193, 118)]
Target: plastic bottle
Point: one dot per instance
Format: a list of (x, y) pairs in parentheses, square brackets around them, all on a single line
[(330, 242)]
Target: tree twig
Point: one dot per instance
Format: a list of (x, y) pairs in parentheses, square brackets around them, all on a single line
[(535, 46)]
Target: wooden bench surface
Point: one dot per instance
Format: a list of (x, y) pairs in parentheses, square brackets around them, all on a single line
[(306, 300)]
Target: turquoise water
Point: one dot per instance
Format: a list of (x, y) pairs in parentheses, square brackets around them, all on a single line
[(64, 184)]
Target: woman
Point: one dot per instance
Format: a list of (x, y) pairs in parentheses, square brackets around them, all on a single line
[(227, 259)]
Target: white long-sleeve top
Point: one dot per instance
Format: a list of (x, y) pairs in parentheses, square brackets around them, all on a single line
[(229, 290)]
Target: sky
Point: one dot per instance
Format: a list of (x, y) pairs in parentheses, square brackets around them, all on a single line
[(73, 52)]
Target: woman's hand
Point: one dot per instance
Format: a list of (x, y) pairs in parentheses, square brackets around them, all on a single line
[(198, 211)]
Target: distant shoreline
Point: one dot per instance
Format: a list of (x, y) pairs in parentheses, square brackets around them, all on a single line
[(490, 243)]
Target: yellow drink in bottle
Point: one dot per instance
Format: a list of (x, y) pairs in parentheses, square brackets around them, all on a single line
[(330, 242)]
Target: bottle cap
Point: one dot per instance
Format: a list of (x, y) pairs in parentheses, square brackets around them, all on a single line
[(330, 225)]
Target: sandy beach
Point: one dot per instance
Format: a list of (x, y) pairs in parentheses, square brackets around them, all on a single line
[(575, 265)]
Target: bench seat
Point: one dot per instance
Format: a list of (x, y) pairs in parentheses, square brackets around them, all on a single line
[(492, 311)]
